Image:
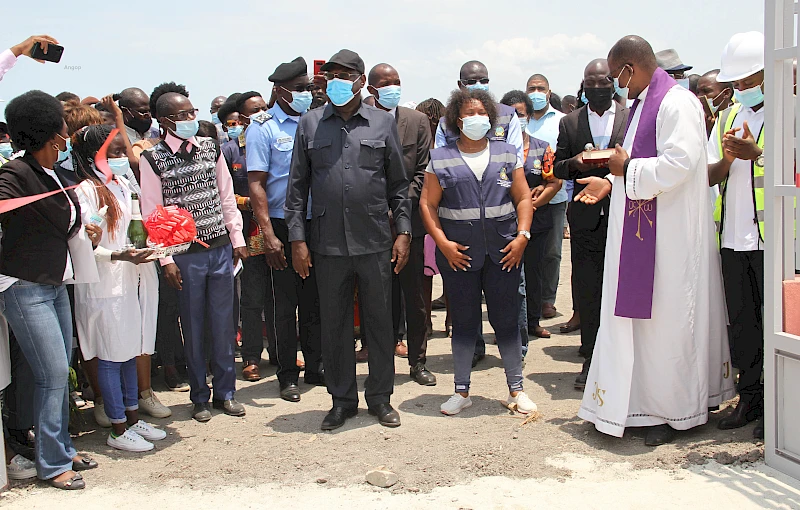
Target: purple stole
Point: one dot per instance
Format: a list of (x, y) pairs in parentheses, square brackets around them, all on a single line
[(637, 258)]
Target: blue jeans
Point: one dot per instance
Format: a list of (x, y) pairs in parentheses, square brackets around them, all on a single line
[(41, 319), (501, 289), (119, 387), (208, 291)]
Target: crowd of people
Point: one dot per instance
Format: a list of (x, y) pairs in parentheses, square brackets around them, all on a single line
[(323, 209)]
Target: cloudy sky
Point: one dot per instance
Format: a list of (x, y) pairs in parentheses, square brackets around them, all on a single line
[(216, 48)]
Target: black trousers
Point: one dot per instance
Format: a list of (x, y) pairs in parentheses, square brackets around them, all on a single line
[(588, 254), (257, 299), (534, 255), (295, 298), (743, 274), (335, 280), (169, 341), (18, 405), (412, 282)]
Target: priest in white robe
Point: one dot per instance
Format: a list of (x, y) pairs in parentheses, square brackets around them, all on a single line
[(661, 359)]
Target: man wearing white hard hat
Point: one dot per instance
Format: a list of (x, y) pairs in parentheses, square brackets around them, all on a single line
[(736, 163)]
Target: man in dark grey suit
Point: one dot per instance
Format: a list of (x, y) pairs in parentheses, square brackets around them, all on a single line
[(413, 128), (600, 124), (348, 155)]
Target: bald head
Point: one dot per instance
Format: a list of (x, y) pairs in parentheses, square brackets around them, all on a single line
[(472, 68), (598, 66), (634, 50), (381, 73), (172, 103), (133, 97)]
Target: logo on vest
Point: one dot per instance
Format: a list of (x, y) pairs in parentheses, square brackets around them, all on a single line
[(504, 180), (499, 131), (537, 164)]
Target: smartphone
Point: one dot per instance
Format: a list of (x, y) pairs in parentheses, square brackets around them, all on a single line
[(54, 52)]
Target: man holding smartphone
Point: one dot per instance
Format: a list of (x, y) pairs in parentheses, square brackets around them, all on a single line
[(9, 57)]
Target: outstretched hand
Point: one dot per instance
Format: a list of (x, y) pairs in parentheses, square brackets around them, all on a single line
[(597, 188)]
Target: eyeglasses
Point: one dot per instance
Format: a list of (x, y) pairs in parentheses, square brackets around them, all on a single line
[(138, 113), (598, 83), (472, 81), (300, 88), (184, 115), (342, 76)]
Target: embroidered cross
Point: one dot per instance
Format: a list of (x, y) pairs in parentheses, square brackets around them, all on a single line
[(598, 395), (641, 208)]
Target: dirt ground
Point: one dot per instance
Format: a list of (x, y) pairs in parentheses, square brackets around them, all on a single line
[(281, 443)]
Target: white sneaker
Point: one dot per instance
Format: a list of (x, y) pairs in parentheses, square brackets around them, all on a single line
[(100, 414), (456, 404), (149, 404), (130, 441), (148, 431), (521, 403), (20, 468)]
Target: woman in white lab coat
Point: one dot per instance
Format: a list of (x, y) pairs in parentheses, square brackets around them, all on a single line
[(116, 317)]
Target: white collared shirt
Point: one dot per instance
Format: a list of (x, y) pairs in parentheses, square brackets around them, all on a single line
[(601, 127)]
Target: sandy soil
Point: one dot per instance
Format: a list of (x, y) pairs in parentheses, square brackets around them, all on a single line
[(280, 443)]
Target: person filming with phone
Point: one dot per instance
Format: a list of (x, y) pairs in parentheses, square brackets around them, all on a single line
[(9, 57)]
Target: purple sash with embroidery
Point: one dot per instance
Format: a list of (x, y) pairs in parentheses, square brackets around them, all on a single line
[(637, 258)]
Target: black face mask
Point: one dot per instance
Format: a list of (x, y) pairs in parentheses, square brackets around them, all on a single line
[(139, 125), (599, 97)]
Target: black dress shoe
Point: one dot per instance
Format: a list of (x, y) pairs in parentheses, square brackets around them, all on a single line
[(477, 358), (658, 435), (744, 413), (337, 416), (290, 392), (580, 382), (422, 376), (386, 414), (202, 412), (758, 432), (315, 378), (230, 407)]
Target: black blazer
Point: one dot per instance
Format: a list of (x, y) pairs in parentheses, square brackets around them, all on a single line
[(414, 130), (35, 236), (573, 135)]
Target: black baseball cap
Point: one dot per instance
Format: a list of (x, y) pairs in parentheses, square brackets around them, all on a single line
[(345, 58)]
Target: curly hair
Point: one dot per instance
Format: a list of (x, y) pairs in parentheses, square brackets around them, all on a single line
[(81, 115), (227, 109), (433, 108), (85, 144), (34, 118), (163, 89), (517, 96), (456, 102)]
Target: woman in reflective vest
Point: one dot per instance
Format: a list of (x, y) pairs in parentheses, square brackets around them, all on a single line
[(476, 206)]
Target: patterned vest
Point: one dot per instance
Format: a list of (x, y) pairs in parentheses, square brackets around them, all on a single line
[(189, 181), (478, 214)]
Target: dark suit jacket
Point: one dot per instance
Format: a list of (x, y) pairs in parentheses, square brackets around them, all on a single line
[(415, 137), (573, 135)]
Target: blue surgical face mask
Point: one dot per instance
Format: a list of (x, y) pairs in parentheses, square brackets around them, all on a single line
[(63, 155), (215, 118), (684, 82), (234, 132), (389, 96), (6, 150), (523, 123), (750, 97), (539, 100), (479, 86), (186, 129), (622, 91), (583, 98), (340, 92), (475, 127), (300, 100), (119, 166)]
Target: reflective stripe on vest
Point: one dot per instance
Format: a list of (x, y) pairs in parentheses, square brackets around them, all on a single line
[(724, 124)]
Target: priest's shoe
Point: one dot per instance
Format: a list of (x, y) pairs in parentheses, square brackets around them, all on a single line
[(744, 413), (658, 435), (580, 382), (386, 414), (758, 432), (337, 416)]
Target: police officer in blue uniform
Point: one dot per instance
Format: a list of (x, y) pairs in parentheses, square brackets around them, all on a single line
[(476, 205), (349, 155), (270, 138)]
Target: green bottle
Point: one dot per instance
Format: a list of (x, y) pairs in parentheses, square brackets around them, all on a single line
[(137, 234)]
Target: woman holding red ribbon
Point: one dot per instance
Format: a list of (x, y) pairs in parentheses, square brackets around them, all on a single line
[(115, 316), (44, 246)]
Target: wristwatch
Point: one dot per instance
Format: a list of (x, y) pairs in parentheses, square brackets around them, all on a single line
[(524, 233), (404, 232)]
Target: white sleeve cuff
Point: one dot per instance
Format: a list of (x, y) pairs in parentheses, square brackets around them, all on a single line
[(102, 254)]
